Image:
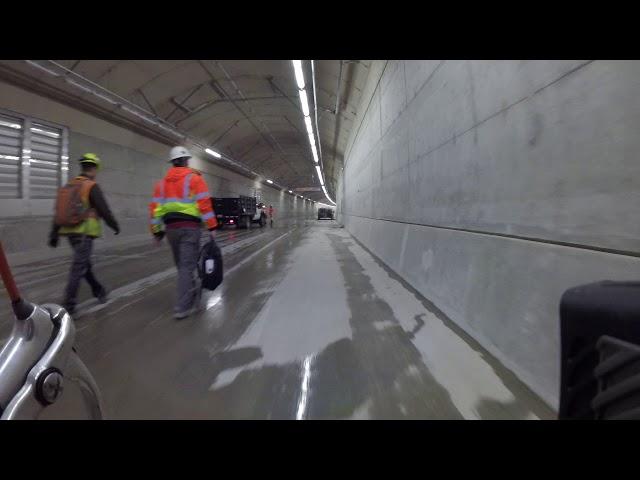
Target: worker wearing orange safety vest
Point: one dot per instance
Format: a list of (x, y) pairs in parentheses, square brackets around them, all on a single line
[(181, 204), (271, 214)]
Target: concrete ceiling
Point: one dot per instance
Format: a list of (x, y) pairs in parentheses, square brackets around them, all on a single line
[(246, 109)]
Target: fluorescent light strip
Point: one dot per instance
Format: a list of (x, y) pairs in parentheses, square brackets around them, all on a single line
[(319, 175), (213, 153), (304, 101), (269, 181), (297, 69)]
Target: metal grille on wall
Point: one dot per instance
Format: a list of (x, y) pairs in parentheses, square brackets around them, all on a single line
[(11, 129), (34, 163), (46, 161)]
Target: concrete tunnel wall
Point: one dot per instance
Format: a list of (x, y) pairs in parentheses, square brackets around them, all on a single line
[(132, 164), (462, 174)]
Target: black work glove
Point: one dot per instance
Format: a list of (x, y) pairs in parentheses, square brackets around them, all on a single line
[(159, 235), (53, 241)]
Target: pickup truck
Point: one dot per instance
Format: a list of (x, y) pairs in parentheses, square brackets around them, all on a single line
[(239, 211)]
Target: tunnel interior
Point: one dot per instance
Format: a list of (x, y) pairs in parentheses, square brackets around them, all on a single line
[(428, 217)]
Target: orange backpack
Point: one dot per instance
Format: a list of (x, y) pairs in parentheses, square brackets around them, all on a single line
[(70, 208)]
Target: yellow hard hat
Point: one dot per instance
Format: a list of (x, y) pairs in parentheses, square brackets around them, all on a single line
[(91, 158)]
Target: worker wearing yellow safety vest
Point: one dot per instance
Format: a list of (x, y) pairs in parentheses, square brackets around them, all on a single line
[(181, 204), (79, 207)]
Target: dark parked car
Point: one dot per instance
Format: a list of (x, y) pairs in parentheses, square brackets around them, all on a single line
[(325, 214)]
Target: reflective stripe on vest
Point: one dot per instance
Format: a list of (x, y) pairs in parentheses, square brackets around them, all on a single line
[(187, 181), (176, 200), (183, 205)]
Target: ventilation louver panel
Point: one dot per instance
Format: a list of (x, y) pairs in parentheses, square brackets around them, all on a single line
[(46, 152), (11, 133)]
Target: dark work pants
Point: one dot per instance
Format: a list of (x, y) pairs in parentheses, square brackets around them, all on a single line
[(185, 246), (82, 246)]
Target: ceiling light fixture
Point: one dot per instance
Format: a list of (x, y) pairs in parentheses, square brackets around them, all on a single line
[(297, 69), (213, 153), (304, 102)]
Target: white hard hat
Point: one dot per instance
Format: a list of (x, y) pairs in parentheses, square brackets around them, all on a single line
[(178, 152)]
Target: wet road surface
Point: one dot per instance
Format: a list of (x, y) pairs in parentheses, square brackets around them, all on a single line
[(307, 325)]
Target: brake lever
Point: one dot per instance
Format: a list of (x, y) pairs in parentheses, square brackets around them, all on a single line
[(38, 356), (45, 381)]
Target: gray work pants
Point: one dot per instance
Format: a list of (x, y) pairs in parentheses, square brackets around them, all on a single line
[(82, 246), (185, 245)]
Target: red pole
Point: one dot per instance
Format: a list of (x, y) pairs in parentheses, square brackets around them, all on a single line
[(7, 277)]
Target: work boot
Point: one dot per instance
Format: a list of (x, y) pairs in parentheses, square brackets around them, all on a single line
[(185, 314), (197, 301), (102, 296)]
